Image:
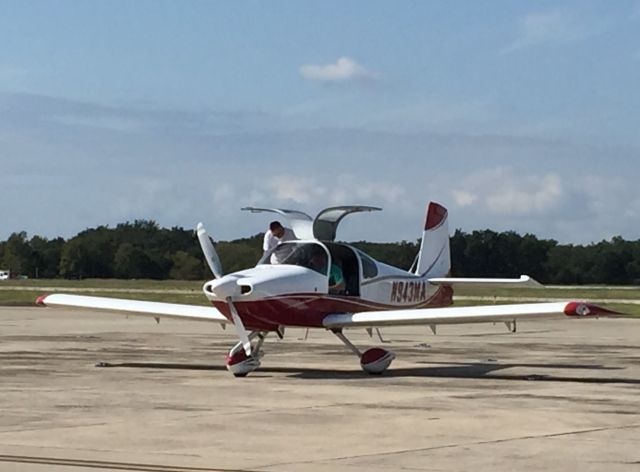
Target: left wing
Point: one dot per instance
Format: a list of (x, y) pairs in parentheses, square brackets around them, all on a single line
[(134, 307), (455, 315)]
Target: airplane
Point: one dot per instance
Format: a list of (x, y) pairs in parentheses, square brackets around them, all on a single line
[(289, 287)]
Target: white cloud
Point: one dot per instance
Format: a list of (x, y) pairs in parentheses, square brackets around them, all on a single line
[(547, 26), (532, 196), (339, 190), (351, 189), (343, 70), (501, 191), (463, 198), (294, 189)]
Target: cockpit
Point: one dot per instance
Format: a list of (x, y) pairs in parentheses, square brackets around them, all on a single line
[(327, 258), (305, 254)]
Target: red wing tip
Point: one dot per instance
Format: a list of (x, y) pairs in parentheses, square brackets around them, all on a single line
[(436, 214), (586, 309), (40, 300)]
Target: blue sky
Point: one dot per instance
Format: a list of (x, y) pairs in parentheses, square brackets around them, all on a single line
[(515, 115)]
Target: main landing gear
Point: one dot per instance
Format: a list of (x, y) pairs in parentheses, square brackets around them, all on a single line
[(373, 361), (238, 363)]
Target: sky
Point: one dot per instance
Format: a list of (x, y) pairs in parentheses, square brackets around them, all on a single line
[(514, 115)]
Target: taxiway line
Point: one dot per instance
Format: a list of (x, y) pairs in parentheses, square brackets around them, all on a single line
[(109, 465)]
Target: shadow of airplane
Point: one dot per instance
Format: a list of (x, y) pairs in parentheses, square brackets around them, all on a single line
[(480, 370)]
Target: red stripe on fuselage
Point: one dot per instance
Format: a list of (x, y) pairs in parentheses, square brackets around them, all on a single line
[(308, 310)]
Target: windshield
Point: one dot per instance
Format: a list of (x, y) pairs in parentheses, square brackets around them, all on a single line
[(309, 255)]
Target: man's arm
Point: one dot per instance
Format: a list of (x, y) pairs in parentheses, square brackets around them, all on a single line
[(336, 279), (265, 242)]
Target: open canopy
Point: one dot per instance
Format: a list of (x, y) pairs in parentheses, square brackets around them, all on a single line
[(324, 226), (326, 223)]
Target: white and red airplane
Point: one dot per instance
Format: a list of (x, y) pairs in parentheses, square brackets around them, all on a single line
[(289, 287)]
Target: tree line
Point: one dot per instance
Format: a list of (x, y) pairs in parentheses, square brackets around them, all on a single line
[(144, 250)]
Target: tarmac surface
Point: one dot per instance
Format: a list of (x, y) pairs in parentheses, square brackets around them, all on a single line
[(557, 395)]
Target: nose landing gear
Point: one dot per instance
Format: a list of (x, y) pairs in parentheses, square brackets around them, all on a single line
[(238, 363)]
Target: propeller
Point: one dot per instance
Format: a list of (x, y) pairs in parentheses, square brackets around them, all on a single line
[(215, 265), (209, 251)]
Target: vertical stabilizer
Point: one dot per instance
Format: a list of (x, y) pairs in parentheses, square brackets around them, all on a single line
[(434, 259)]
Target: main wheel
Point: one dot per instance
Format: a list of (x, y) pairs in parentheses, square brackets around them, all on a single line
[(376, 360)]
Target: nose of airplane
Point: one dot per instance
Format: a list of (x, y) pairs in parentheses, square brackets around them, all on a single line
[(223, 288)]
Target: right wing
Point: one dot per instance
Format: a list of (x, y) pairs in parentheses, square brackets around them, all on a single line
[(462, 315), (133, 307)]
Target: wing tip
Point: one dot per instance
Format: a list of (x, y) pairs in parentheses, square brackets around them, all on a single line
[(579, 309), (40, 301)]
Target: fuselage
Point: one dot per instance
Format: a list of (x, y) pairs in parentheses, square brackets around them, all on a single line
[(286, 288)]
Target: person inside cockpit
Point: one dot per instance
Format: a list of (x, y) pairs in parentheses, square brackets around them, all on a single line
[(318, 262)]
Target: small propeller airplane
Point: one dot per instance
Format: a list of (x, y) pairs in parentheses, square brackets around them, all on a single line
[(289, 287)]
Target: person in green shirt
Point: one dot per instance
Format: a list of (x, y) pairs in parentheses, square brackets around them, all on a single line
[(336, 279)]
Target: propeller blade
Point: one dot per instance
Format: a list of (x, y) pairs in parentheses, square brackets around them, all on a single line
[(209, 251), (242, 332)]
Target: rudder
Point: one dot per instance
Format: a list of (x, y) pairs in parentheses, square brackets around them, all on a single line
[(434, 259)]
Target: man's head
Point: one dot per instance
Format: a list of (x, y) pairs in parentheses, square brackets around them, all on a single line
[(276, 229), (318, 260)]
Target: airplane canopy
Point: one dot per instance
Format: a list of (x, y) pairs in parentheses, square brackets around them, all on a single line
[(300, 222), (324, 226), (326, 223)]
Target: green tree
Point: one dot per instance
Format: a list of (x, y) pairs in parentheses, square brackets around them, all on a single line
[(186, 267), (239, 254), (533, 255), (89, 254), (46, 256), (131, 262), (18, 256)]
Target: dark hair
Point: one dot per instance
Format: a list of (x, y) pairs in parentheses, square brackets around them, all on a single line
[(274, 225)]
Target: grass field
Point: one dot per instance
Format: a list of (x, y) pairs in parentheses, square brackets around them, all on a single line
[(24, 292)]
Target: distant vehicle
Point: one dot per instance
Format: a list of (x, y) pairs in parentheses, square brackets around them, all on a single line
[(296, 291), (4, 274)]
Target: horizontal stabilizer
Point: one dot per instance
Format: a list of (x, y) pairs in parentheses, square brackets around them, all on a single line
[(523, 282)]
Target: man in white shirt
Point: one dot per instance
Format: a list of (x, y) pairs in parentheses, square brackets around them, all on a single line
[(276, 235)]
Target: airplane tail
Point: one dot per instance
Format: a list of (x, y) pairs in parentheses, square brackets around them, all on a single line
[(434, 259)]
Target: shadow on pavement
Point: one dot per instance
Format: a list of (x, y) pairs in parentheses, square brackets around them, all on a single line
[(489, 370)]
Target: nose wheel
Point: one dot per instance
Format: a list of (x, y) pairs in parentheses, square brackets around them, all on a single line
[(373, 361), (239, 363)]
